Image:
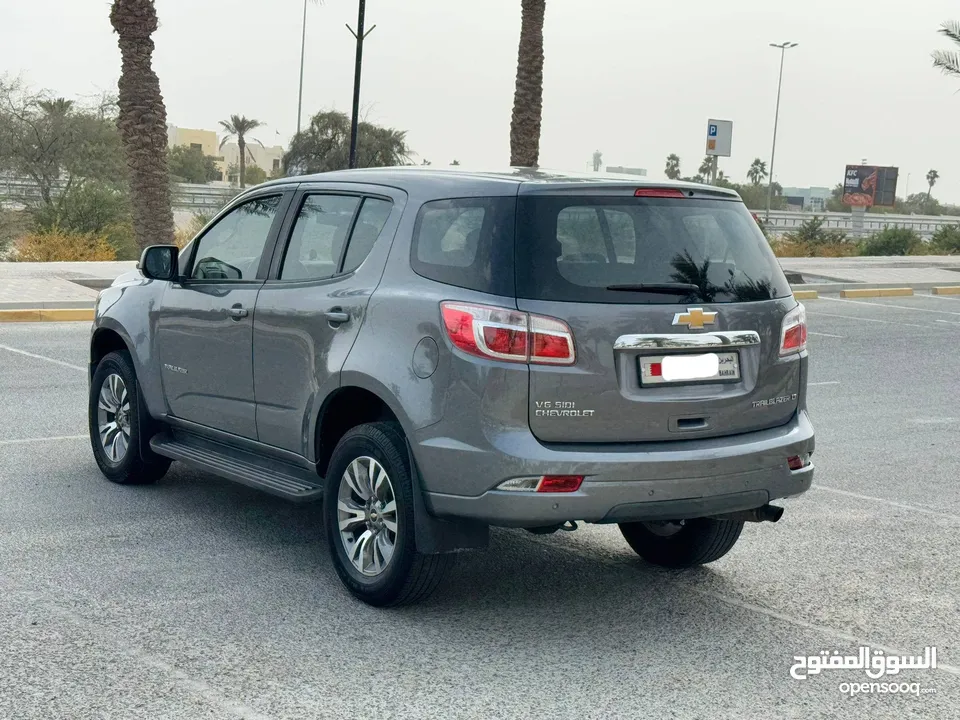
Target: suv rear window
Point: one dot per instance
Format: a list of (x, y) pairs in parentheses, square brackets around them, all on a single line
[(466, 242), (575, 249)]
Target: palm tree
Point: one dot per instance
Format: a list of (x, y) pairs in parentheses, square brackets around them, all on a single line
[(757, 171), (672, 170), (239, 126), (948, 60), (707, 167), (59, 107), (528, 95), (143, 122), (932, 178)]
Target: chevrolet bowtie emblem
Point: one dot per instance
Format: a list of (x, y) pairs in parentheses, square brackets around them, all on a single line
[(695, 318)]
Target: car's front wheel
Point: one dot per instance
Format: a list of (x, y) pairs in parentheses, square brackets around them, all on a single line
[(115, 424), (682, 543), (368, 513)]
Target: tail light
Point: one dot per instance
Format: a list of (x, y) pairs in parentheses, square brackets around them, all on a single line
[(793, 333), (510, 335)]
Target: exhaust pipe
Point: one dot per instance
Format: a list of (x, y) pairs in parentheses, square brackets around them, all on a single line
[(764, 513)]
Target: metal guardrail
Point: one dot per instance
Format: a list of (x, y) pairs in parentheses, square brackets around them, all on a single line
[(782, 221), (188, 196)]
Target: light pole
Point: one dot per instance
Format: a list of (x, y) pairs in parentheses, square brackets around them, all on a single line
[(303, 48), (360, 35), (783, 47)]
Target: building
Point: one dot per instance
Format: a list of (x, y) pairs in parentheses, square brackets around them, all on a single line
[(625, 170), (813, 199), (270, 159), (204, 140)]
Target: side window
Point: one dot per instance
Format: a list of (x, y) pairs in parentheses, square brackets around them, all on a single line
[(319, 234), (467, 242), (231, 249), (373, 216)]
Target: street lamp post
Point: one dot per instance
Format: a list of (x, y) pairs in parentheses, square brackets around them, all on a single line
[(360, 35), (783, 47), (303, 47)]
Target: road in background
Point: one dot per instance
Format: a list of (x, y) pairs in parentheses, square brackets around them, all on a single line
[(198, 598)]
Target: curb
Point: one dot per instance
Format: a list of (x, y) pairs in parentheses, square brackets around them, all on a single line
[(47, 315)]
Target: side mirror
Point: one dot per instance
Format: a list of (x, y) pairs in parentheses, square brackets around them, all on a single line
[(160, 262)]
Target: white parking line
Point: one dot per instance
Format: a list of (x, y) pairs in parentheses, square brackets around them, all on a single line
[(26, 441), (900, 307), (42, 357), (874, 320), (947, 322), (828, 382), (758, 609), (891, 503), (839, 337)]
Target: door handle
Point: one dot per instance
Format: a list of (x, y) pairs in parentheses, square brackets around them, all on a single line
[(238, 312), (336, 316)]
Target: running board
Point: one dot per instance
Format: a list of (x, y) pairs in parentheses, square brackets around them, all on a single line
[(273, 476)]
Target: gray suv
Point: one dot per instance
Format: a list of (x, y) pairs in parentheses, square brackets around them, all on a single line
[(435, 352)]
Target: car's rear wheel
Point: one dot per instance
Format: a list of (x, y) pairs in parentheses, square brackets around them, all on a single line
[(115, 424), (682, 543), (368, 512)]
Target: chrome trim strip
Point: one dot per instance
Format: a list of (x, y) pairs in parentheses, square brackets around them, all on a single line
[(746, 338)]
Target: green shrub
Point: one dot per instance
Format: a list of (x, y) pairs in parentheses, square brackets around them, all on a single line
[(946, 240), (891, 241), (60, 246), (811, 232)]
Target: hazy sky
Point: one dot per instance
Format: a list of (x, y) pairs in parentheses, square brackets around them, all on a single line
[(635, 79)]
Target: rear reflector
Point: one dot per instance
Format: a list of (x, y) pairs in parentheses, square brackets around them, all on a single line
[(543, 484), (506, 334), (796, 462), (560, 483), (659, 193)]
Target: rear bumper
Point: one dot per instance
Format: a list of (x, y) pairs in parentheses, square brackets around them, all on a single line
[(663, 481)]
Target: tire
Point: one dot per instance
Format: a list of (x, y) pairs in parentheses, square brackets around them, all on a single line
[(406, 576), (695, 542), (118, 404)]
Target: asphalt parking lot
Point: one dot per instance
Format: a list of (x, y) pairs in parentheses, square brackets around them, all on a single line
[(197, 598)]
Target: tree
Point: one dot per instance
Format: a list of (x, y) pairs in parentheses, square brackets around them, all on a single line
[(58, 145), (238, 126), (143, 122), (932, 178), (528, 94), (597, 160), (324, 145), (189, 164), (757, 172), (948, 61), (707, 167), (455, 163), (253, 174), (672, 169)]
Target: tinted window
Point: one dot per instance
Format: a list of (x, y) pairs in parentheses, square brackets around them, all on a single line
[(467, 243), (373, 216), (575, 249), (316, 243), (231, 249)]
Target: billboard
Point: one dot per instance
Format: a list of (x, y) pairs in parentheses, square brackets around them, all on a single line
[(869, 185), (719, 137)]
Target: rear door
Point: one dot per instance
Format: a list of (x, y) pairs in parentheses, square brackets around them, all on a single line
[(640, 281), (310, 310)]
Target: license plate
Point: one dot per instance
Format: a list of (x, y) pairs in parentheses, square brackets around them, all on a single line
[(669, 369)]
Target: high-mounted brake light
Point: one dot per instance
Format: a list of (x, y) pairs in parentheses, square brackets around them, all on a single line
[(793, 332), (509, 335), (659, 193)]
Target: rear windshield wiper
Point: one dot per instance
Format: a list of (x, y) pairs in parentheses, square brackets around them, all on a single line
[(661, 288)]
